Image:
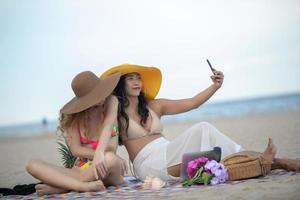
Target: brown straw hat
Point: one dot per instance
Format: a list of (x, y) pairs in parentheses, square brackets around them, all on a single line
[(89, 90)]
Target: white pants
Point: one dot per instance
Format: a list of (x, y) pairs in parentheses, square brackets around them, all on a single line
[(157, 156)]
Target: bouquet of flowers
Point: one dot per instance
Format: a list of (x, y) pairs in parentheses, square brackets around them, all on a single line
[(204, 171)]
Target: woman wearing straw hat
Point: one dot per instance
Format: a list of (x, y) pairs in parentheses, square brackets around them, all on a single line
[(88, 122), (141, 130)]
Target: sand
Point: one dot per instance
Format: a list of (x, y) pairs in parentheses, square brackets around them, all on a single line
[(251, 132)]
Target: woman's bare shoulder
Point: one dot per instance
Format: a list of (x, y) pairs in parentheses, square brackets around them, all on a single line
[(155, 105), (113, 99)]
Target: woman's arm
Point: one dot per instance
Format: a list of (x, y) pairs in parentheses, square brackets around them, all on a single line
[(112, 144), (170, 107), (109, 121), (99, 164)]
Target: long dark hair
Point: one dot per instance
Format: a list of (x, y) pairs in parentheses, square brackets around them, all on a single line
[(123, 119)]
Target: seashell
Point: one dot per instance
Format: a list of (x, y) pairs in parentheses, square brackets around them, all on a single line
[(148, 182), (157, 183)]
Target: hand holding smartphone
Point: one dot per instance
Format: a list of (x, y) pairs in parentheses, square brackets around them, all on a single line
[(217, 76), (211, 68)]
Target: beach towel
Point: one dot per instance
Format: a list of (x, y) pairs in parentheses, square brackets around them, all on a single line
[(135, 190)]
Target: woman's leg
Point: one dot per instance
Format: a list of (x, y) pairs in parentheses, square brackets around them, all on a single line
[(287, 164), (61, 177), (114, 176), (268, 155), (44, 189), (200, 137)]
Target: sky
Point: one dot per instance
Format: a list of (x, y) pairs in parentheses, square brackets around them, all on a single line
[(44, 44)]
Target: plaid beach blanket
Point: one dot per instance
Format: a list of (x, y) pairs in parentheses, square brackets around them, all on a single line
[(135, 190)]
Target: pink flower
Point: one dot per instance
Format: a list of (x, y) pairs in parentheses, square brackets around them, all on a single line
[(192, 168), (194, 165), (202, 160), (207, 172)]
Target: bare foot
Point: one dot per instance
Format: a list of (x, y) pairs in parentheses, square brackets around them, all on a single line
[(268, 156), (43, 189), (270, 152), (94, 186)]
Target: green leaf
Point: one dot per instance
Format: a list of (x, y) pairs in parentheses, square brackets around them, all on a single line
[(67, 157), (198, 173), (197, 179), (187, 182), (200, 170), (206, 178)]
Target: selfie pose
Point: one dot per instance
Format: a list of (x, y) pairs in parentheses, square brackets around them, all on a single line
[(141, 130)]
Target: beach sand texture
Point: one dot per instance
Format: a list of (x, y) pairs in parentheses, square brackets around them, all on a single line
[(251, 132)]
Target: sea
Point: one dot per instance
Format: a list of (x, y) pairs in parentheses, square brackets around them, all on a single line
[(233, 108)]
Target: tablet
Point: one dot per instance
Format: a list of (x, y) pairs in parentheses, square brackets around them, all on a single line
[(214, 154)]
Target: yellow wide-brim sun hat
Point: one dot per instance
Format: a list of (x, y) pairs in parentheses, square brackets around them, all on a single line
[(151, 77)]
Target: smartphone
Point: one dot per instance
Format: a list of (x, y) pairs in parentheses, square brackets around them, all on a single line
[(211, 68)]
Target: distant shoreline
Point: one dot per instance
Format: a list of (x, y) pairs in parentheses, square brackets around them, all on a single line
[(211, 111), (51, 134)]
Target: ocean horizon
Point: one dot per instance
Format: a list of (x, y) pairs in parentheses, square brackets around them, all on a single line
[(232, 108)]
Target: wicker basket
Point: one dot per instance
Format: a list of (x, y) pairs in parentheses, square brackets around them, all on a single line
[(245, 165)]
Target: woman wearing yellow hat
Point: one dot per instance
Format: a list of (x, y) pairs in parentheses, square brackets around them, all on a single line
[(88, 124), (141, 130)]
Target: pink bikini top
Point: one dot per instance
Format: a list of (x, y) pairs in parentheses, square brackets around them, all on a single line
[(94, 143)]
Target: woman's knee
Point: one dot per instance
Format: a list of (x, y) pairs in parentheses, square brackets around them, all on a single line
[(111, 159), (199, 128), (115, 176), (32, 166), (202, 129)]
